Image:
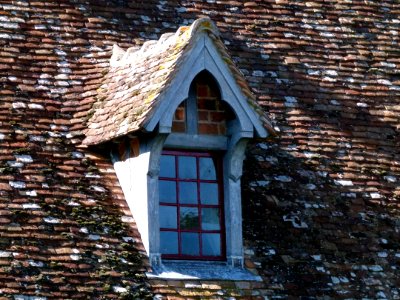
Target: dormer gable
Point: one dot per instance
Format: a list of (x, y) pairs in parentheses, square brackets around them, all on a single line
[(144, 87), (161, 169)]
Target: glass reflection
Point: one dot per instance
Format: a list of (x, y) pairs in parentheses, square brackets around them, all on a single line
[(190, 243), (188, 192), (167, 191), (167, 166), (168, 217), (210, 219), (207, 169), (169, 242), (187, 167), (189, 218), (209, 193), (211, 243)]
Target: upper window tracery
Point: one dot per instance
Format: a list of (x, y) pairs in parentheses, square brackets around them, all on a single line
[(203, 112)]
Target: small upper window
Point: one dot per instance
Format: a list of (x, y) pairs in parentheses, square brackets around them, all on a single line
[(191, 210), (203, 112)]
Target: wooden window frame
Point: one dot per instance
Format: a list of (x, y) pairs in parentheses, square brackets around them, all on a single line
[(217, 157)]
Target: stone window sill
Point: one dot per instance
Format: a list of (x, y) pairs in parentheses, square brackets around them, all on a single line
[(187, 270)]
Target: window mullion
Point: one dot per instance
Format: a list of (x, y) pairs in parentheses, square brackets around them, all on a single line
[(191, 112)]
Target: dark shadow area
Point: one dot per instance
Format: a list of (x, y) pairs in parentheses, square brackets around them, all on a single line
[(319, 202)]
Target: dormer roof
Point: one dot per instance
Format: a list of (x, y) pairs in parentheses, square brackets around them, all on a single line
[(138, 80)]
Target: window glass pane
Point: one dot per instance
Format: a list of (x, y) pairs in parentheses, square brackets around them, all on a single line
[(207, 168), (168, 217), (211, 243), (189, 218), (209, 193), (167, 166), (190, 243), (210, 219), (188, 192), (167, 191), (187, 167), (169, 242)]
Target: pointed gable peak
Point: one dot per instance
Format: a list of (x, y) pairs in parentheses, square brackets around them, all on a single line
[(203, 24)]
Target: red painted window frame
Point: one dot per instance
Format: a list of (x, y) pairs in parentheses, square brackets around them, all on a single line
[(217, 157)]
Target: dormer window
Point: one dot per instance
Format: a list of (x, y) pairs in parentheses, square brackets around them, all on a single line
[(192, 223), (177, 115)]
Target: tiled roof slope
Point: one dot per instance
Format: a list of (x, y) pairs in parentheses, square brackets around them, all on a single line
[(321, 204), (65, 229), (138, 78)]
